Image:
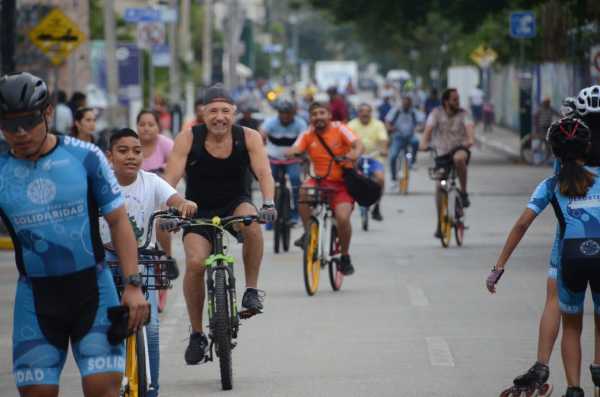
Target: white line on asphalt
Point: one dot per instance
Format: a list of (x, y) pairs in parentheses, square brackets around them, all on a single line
[(417, 296), (439, 352)]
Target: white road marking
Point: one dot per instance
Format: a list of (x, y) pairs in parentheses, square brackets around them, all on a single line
[(417, 296), (439, 352)]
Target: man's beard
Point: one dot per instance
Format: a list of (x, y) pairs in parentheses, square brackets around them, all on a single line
[(320, 125)]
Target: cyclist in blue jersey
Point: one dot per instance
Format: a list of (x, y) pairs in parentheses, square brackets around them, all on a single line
[(575, 196), (52, 190), (280, 132)]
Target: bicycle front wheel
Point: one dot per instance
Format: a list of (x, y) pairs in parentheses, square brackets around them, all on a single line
[(312, 262), (364, 215), (135, 383), (445, 222), (405, 176), (277, 226), (286, 219), (222, 329)]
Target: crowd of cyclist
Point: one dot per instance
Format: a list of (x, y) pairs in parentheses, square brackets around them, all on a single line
[(64, 289)]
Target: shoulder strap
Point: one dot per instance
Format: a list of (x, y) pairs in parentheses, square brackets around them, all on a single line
[(320, 138), (395, 117)]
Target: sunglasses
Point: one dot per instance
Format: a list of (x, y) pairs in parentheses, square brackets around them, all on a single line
[(26, 123)]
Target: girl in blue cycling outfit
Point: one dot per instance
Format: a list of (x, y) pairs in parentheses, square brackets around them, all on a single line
[(575, 196)]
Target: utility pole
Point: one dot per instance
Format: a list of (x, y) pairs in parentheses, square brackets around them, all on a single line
[(186, 53), (234, 24), (112, 70), (174, 81), (8, 36), (207, 44)]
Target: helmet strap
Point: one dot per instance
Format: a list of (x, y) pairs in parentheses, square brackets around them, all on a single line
[(39, 149)]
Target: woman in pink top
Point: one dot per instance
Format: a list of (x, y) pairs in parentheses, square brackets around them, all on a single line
[(156, 148)]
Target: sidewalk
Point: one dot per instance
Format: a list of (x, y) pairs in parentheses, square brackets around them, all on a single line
[(501, 140)]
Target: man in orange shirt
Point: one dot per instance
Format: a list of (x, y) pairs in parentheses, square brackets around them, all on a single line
[(343, 143)]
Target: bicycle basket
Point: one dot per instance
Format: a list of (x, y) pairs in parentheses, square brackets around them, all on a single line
[(154, 272)]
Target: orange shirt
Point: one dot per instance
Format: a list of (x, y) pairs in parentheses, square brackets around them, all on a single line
[(338, 137)]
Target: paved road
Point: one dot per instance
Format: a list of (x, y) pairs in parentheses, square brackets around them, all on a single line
[(415, 319)]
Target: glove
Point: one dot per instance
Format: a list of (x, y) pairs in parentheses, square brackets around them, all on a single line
[(168, 225), (267, 214), (493, 279)]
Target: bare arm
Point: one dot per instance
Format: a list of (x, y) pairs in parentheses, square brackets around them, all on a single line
[(426, 139), (470, 127), (126, 248), (294, 151), (263, 134), (515, 236), (357, 150), (259, 161), (178, 157)]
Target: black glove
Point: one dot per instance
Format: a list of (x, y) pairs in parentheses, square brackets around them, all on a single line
[(267, 214)]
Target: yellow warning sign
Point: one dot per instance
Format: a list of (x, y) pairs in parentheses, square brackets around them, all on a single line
[(57, 36), (484, 56)]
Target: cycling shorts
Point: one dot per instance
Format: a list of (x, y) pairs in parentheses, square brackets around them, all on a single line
[(51, 311), (227, 210), (576, 273), (447, 160), (373, 166), (339, 192)]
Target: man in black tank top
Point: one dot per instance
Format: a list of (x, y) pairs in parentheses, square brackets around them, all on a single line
[(217, 159)]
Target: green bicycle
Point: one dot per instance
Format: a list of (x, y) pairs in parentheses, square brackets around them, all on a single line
[(223, 315)]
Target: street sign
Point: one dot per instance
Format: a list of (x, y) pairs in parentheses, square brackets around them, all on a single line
[(484, 56), (161, 56), (56, 36), (522, 25), (146, 14), (150, 34)]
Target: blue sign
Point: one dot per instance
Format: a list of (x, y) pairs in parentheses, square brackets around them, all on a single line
[(142, 15), (522, 25), (161, 56)]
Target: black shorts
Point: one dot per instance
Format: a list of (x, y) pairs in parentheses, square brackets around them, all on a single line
[(447, 161), (580, 267), (227, 210)]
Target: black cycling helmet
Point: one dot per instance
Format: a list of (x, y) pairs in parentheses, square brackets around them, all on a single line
[(22, 93), (286, 106), (569, 138)]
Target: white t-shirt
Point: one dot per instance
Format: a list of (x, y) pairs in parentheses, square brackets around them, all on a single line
[(144, 196), (476, 97)]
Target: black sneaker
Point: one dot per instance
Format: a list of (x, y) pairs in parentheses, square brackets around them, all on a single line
[(574, 392), (376, 214), (252, 302), (437, 233), (300, 242), (464, 197), (346, 265), (197, 350), (172, 269)]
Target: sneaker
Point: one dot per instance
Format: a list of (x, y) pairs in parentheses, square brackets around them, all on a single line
[(172, 269), (437, 233), (300, 242), (346, 265), (252, 302), (574, 392), (464, 197), (376, 214), (197, 350)]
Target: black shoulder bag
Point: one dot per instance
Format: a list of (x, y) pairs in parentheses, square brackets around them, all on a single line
[(364, 190)]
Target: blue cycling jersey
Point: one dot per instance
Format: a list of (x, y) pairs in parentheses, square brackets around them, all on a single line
[(280, 137), (51, 207), (578, 217)]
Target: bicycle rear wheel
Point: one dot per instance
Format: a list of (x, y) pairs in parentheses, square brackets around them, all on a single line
[(312, 263), (336, 277), (222, 328), (444, 221), (364, 216), (459, 222), (277, 232), (405, 175)]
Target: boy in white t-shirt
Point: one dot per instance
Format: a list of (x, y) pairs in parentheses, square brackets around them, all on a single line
[(144, 194)]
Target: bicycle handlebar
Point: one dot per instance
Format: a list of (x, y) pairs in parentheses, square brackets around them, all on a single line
[(177, 221)]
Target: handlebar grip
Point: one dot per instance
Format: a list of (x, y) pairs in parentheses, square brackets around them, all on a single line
[(168, 225), (173, 211)]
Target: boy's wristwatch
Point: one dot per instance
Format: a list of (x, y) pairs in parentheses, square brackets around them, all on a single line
[(135, 280)]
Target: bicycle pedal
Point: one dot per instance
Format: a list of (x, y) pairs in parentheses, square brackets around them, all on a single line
[(246, 314)]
